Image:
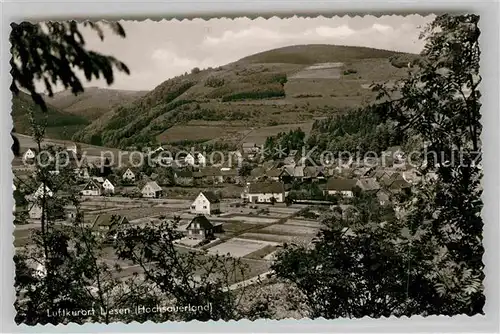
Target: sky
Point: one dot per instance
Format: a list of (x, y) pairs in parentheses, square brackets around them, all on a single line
[(157, 51)]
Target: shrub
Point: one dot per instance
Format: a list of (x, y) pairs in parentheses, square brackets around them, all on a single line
[(195, 70)]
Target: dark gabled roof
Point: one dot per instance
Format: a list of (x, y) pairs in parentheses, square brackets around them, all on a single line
[(266, 188), (274, 172), (312, 171), (399, 184), (211, 196), (368, 184), (108, 219), (340, 184), (205, 224), (258, 171)]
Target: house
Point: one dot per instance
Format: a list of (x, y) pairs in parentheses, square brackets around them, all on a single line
[(344, 187), (274, 174), (295, 172), (35, 211), (368, 184), (108, 187), (313, 173), (30, 154), (152, 190), (108, 225), (40, 192), (195, 159), (263, 192), (206, 203), (92, 188), (398, 186), (200, 228), (128, 176), (184, 177)]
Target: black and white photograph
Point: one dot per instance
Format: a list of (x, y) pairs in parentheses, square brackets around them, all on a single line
[(230, 169)]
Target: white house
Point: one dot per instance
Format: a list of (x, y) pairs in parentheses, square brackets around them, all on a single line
[(152, 190), (108, 186), (35, 211), (39, 192), (128, 175), (195, 159), (29, 154), (342, 187), (264, 192), (206, 203), (92, 188)]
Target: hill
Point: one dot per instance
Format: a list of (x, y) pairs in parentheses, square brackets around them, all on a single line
[(250, 99), (60, 124), (93, 102), (317, 53)]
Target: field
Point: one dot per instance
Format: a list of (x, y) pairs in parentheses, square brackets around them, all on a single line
[(188, 133), (259, 136), (236, 247)]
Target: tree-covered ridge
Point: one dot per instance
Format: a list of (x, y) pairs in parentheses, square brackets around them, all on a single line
[(356, 130), (57, 121)]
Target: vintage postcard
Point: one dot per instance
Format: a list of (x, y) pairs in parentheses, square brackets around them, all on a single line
[(247, 169)]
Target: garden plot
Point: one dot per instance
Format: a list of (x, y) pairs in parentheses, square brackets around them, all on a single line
[(236, 226), (237, 247), (255, 219), (307, 223), (276, 239), (289, 230)]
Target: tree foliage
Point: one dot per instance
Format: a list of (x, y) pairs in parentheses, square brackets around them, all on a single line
[(52, 51), (427, 257)]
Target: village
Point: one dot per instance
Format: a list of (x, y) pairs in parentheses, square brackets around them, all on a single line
[(247, 211)]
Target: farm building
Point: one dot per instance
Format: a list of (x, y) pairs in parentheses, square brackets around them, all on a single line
[(30, 154), (108, 225), (128, 175), (92, 188), (201, 228), (344, 187), (152, 190), (206, 203), (263, 192), (195, 159), (108, 186)]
